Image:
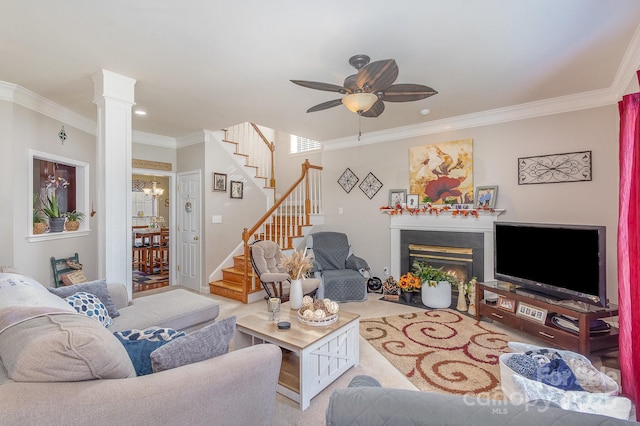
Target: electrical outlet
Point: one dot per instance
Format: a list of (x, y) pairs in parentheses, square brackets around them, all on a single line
[(386, 271)]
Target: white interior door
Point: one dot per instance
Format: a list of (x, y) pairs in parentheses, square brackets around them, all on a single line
[(189, 223)]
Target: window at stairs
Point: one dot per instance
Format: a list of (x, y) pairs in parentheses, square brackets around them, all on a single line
[(300, 144)]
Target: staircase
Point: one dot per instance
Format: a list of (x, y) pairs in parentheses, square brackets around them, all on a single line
[(287, 222)]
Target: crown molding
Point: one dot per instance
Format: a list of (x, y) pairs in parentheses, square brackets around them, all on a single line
[(628, 66), (592, 99), (31, 100), (154, 140), (586, 100), (199, 136)]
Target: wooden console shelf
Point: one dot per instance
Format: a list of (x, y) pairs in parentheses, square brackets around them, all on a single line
[(582, 342)]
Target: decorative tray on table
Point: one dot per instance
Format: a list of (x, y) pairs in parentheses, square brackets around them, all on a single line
[(318, 322), (317, 313)]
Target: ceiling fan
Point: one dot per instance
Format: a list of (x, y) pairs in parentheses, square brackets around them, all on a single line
[(368, 89)]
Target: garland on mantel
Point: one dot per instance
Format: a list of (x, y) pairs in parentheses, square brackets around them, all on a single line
[(429, 209)]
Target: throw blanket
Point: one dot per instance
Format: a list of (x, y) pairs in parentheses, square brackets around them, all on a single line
[(16, 314), (23, 298), (330, 250)]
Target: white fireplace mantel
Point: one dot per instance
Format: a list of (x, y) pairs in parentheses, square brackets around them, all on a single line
[(444, 222)]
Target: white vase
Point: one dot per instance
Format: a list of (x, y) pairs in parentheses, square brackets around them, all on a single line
[(295, 294), (438, 297)]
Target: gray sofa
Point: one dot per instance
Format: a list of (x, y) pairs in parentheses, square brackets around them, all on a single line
[(364, 402), (237, 388)]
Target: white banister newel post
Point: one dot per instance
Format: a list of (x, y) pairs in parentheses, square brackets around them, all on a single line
[(114, 97)]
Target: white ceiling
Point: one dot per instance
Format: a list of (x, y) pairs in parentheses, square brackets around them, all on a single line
[(207, 64)]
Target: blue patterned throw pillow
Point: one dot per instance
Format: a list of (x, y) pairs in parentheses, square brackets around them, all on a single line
[(140, 343), (91, 306)]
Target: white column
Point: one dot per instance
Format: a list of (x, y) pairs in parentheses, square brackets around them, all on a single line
[(114, 96)]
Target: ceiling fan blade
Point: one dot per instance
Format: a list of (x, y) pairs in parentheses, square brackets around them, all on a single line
[(325, 105), (407, 92), (377, 76), (351, 83), (375, 110), (320, 86)]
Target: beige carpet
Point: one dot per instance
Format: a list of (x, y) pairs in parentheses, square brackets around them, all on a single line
[(441, 350)]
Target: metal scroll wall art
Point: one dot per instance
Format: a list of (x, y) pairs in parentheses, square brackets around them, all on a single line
[(555, 168), (370, 185)]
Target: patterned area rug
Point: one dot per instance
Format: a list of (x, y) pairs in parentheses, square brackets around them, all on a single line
[(441, 350), (143, 282)]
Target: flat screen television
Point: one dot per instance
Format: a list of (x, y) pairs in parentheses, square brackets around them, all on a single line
[(565, 262)]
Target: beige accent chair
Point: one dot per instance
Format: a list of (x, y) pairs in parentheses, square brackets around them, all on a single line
[(266, 259)]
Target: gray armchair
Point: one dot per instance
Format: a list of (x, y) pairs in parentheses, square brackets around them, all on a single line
[(342, 274)]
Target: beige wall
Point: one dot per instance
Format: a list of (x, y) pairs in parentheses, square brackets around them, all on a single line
[(289, 166), (32, 130), (7, 177), (496, 150), (223, 238), (141, 151)]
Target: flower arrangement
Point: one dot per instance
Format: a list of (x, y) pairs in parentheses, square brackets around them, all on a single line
[(56, 182), (298, 264), (436, 210), (410, 282)]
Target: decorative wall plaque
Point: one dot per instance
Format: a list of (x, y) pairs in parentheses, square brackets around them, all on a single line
[(370, 185), (348, 180), (153, 165), (555, 168)]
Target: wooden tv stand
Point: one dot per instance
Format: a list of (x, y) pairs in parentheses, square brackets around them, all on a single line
[(582, 342)]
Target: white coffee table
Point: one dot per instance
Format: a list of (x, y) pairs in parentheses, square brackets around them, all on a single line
[(312, 357)]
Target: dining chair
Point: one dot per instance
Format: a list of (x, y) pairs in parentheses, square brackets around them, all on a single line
[(159, 253)]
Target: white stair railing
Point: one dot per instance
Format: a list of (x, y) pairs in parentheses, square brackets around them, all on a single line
[(283, 221), (252, 142)]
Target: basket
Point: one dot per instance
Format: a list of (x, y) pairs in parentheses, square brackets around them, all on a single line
[(72, 226), (317, 322)]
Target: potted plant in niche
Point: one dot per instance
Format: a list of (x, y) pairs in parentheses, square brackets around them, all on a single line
[(51, 209), (73, 220), (436, 285), (39, 224)]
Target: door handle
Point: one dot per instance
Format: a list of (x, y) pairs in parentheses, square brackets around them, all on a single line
[(196, 238)]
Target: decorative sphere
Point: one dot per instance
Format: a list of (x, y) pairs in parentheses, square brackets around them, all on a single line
[(319, 314), (333, 308)]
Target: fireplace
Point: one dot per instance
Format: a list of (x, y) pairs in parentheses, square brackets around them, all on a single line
[(461, 243), (457, 261), (461, 253)]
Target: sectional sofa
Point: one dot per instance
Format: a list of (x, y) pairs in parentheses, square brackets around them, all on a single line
[(60, 367)]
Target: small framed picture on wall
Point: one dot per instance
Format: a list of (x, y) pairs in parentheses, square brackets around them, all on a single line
[(236, 189), (220, 182)]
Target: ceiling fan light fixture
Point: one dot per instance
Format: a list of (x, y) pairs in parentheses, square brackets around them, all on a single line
[(359, 102)]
